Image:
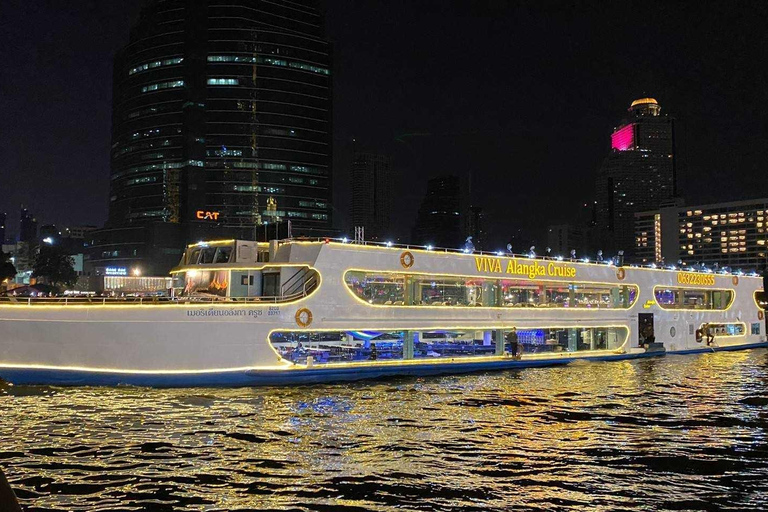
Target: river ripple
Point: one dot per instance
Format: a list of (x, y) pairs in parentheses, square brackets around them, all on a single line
[(672, 433)]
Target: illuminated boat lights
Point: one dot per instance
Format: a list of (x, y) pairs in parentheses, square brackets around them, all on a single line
[(463, 252)]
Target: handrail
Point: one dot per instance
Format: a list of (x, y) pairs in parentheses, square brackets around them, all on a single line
[(607, 262), (147, 301), (302, 272)]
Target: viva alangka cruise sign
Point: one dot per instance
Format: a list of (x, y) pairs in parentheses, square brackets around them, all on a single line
[(526, 268)]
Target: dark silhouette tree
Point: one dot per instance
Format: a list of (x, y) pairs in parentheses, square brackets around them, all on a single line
[(55, 267)]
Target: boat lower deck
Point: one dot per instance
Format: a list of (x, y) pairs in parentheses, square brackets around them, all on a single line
[(302, 375)]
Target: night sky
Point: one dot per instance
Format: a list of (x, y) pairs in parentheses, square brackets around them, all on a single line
[(522, 95)]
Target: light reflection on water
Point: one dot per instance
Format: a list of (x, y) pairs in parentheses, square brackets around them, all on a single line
[(681, 432)]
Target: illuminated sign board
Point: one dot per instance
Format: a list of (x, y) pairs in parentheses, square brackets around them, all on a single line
[(204, 215), (529, 269), (624, 138), (695, 279), (116, 271)]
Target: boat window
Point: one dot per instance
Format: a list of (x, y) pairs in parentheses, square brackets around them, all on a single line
[(377, 288), (453, 343), (207, 256), (366, 346), (397, 289), (568, 339), (761, 299), (206, 283), (222, 255), (687, 298), (338, 346), (194, 256), (567, 295), (734, 329)]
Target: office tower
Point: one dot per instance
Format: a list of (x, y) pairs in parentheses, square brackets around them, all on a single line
[(372, 193), (440, 219), (638, 175), (217, 106), (27, 226), (564, 238), (731, 234), (475, 227)]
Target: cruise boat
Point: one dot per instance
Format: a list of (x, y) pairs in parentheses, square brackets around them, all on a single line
[(307, 311)]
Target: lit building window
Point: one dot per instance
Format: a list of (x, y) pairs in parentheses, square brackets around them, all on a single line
[(163, 85), (155, 64), (223, 81), (243, 59)]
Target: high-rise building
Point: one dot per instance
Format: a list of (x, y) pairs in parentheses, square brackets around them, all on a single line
[(440, 221), (476, 227), (372, 193), (27, 226), (3, 218), (638, 175), (733, 234), (564, 238), (217, 106)]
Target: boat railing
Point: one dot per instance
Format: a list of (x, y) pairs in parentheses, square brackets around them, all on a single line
[(154, 300), (700, 268)]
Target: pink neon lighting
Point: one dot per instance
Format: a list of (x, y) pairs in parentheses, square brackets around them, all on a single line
[(624, 138)]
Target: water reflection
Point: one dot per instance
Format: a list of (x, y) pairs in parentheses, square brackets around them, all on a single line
[(677, 432)]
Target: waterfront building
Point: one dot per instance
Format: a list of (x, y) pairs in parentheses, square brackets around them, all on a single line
[(563, 238), (27, 226), (216, 107), (371, 176), (638, 174), (440, 220), (733, 234)]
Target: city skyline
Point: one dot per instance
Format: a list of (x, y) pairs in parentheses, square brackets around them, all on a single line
[(539, 104)]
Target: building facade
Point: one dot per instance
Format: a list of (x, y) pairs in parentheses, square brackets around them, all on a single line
[(371, 176), (218, 106), (564, 238), (475, 227), (27, 227), (638, 174), (441, 218), (733, 234)]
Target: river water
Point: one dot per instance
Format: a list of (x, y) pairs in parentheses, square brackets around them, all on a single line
[(669, 433)]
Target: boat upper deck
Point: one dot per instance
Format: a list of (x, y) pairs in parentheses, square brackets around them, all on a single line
[(236, 271)]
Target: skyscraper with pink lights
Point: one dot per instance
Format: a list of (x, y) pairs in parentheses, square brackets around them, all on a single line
[(638, 174)]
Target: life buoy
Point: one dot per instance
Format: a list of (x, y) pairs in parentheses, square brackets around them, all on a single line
[(735, 280), (760, 314), (621, 273), (303, 317), (406, 259)]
